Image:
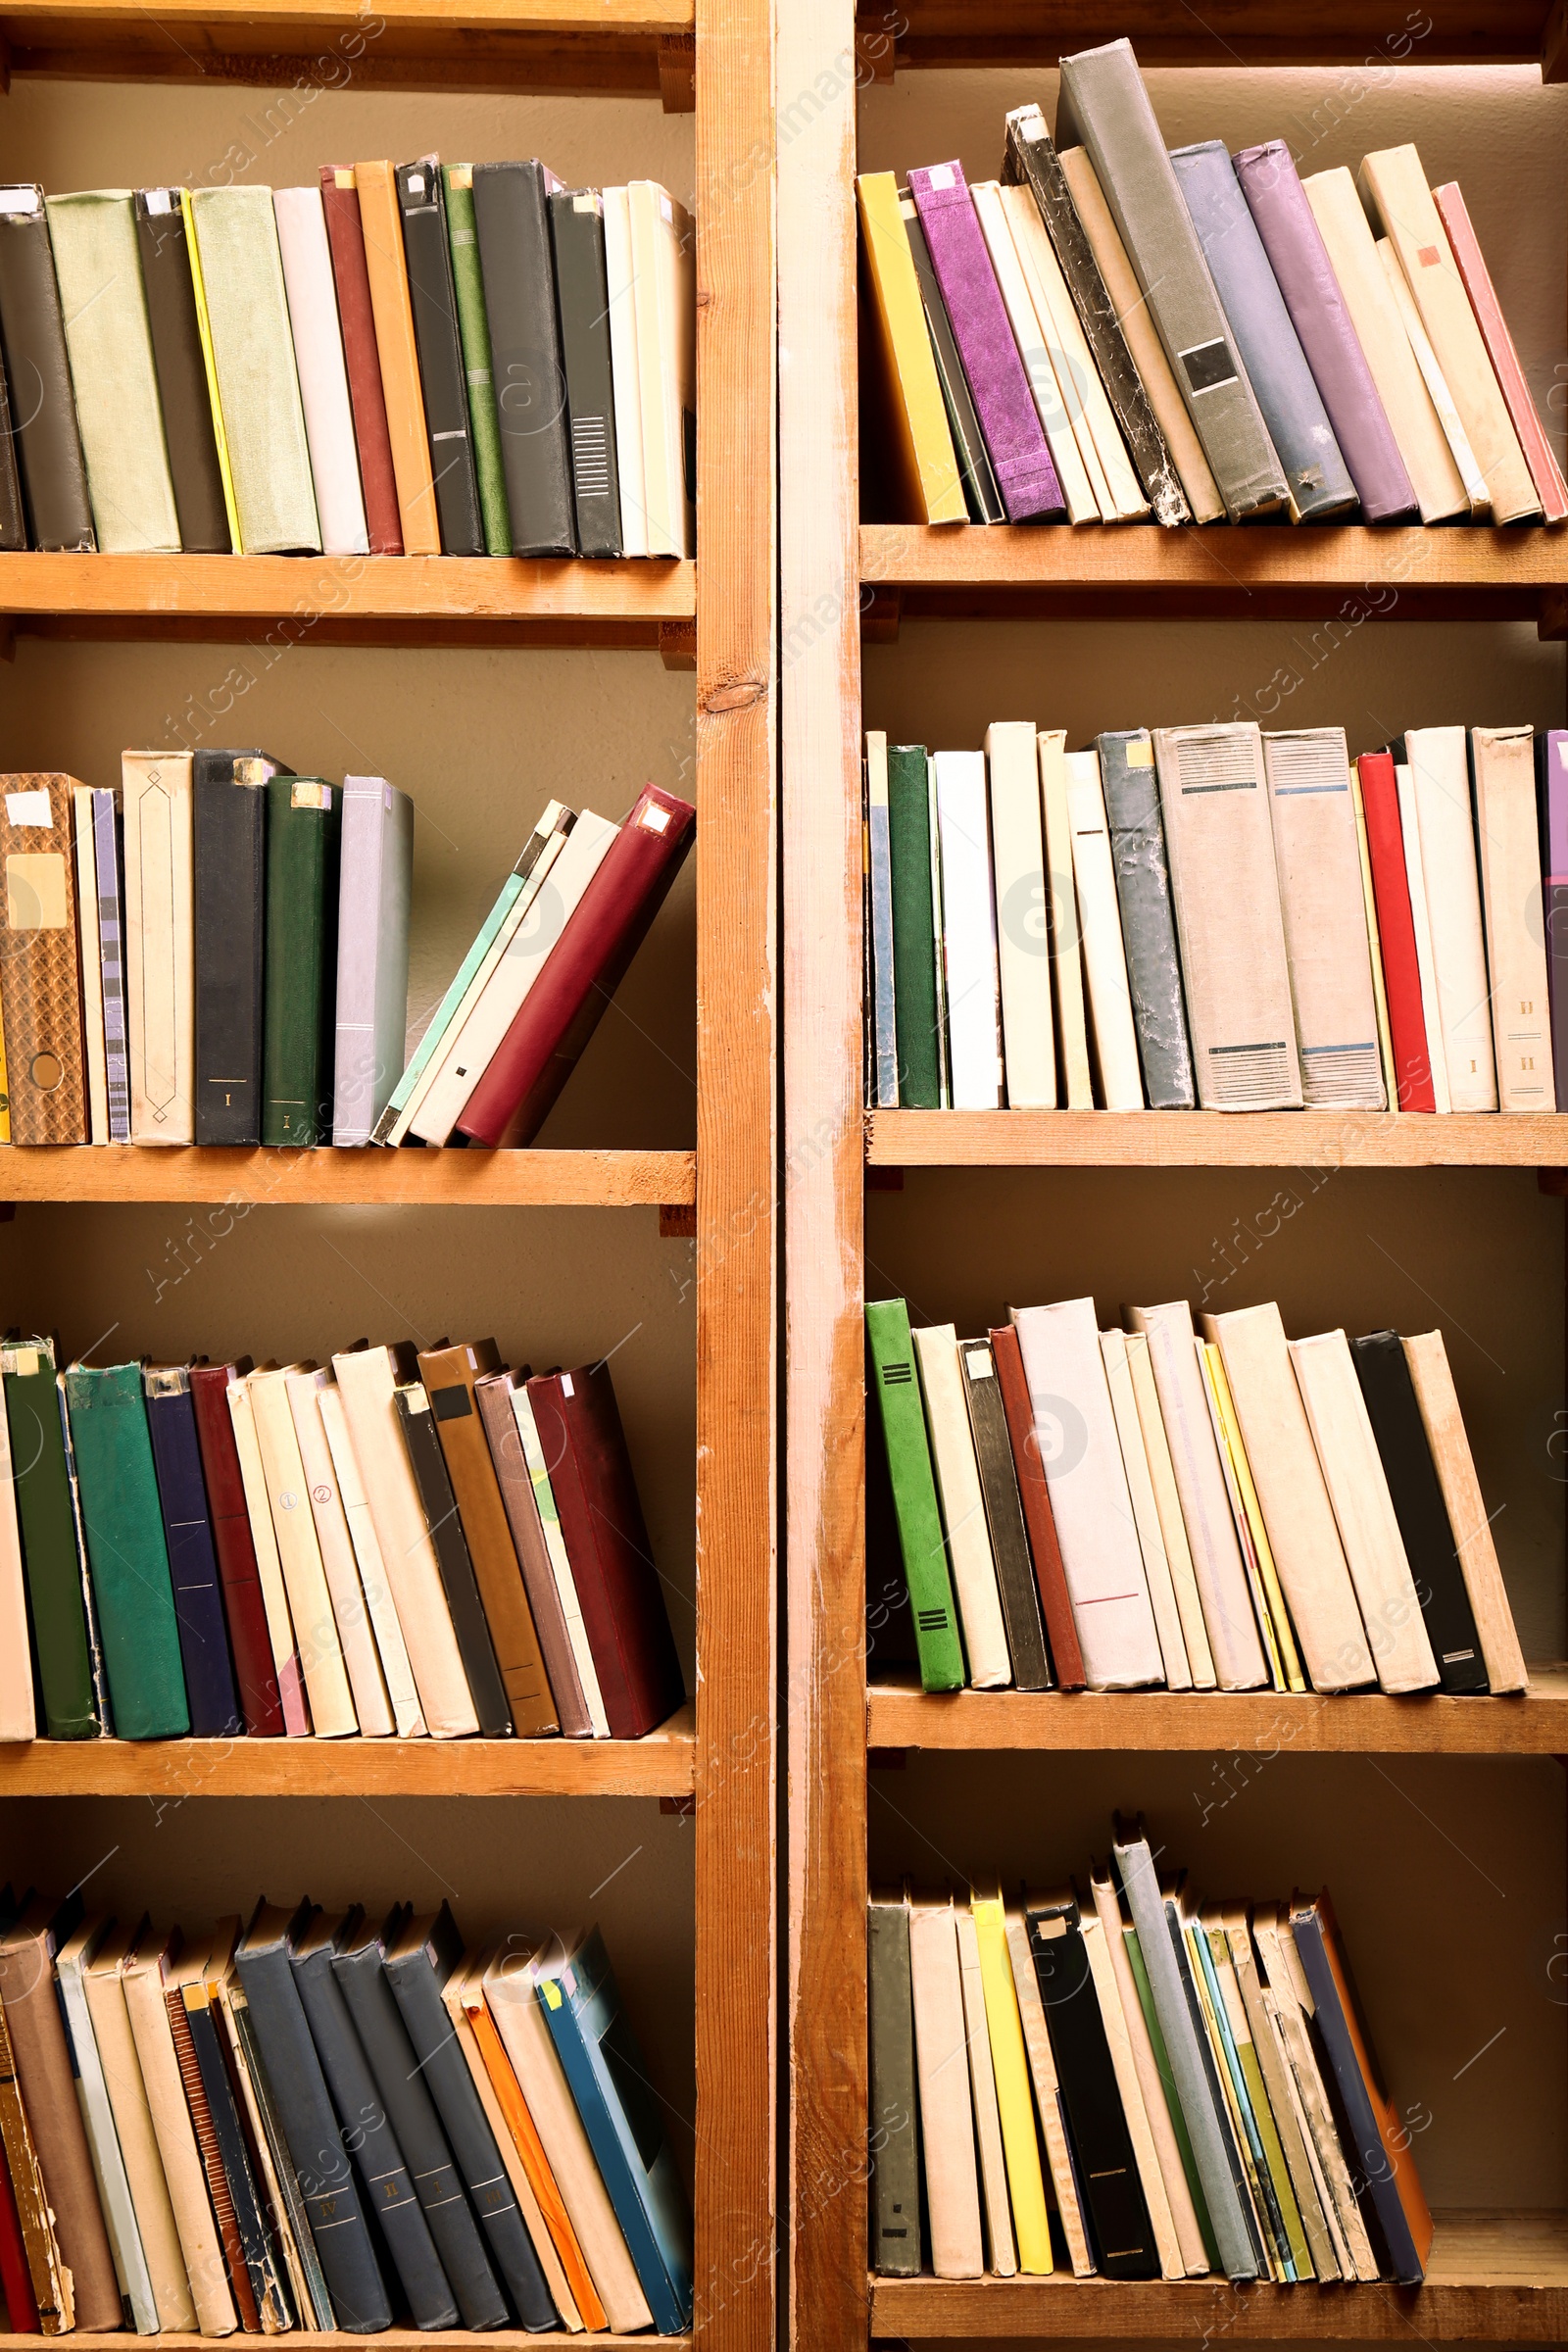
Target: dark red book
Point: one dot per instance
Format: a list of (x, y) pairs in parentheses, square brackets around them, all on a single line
[(1402, 975), (243, 1607), (1045, 1550), (613, 1564), (22, 2309), (362, 356), (581, 972)]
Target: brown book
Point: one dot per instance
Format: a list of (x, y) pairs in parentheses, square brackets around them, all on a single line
[(450, 1376), (191, 1970), (49, 2278), (381, 224), (1050, 1575), (40, 985), (340, 203), (494, 1398)]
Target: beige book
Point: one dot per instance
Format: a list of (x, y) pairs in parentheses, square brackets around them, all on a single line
[(663, 261), (1145, 1512), (1302, 1535), (1440, 779), (157, 1962), (1192, 2255), (1477, 494), (134, 2128), (268, 1565), (392, 307), (983, 2090), (92, 971), (389, 1642), (1443, 1423), (1421, 922), (17, 1717), (1393, 187), (1112, 1030), (160, 946), (1172, 2261), (1318, 858), (1504, 763), (963, 1511), (366, 1378), (1079, 472), (1369, 904), (1249, 1990), (310, 1602), (1293, 2003), (1024, 936), (1142, 336), (1379, 328), (1217, 1554), (1268, 1601), (1358, 1488), (622, 278), (512, 2002), (1168, 1505), (339, 1566), (1067, 945), (1043, 2074)]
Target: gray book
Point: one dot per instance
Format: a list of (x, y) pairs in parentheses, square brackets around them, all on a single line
[(894, 2144), (376, 875), (1147, 917), (884, 1065), (1105, 107)]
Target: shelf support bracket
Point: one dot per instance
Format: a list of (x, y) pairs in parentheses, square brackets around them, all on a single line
[(677, 644), (677, 72)]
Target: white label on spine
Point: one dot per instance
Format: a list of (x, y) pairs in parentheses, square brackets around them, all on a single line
[(28, 808)]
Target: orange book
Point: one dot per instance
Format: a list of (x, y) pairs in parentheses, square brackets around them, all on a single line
[(535, 2162)]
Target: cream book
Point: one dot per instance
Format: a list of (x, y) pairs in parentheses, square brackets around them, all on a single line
[(1364, 1508), (621, 279), (1075, 1430), (134, 2128), (1152, 2092), (323, 373), (1318, 858), (968, 932), (258, 382), (582, 1656), (1111, 1027), (1440, 780), (390, 1645), (1023, 937), (326, 1681), (1145, 1512), (1441, 1418), (963, 1511), (110, 2175), (1078, 490), (1235, 971), (1095, 1943), (92, 970), (1066, 951), (268, 1565), (942, 2072), (1421, 923), (1502, 762), (160, 945), (155, 1963), (339, 1566), (663, 263), (1048, 2098), (1168, 1505), (1477, 494), (1003, 2261)]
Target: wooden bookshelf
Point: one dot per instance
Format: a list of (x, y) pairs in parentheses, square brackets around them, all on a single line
[(1211, 1139), (240, 1181), (1251, 32)]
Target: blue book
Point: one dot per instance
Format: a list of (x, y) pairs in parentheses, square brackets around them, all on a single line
[(215, 1711)]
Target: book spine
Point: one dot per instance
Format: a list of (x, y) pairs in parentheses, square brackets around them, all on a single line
[(1551, 795), (211, 2159), (1147, 918), (1118, 2211), (144, 1638), (307, 264), (112, 964), (244, 1605), (421, 199), (457, 1568), (513, 230), (302, 856), (1539, 457), (582, 299), (1050, 1577), (258, 382), (229, 830), (192, 1562), (894, 2144), (91, 963), (40, 988), (981, 496), (925, 1559), (1009, 1544), (49, 1546), (361, 358), (114, 383), (370, 994), (883, 997), (473, 329), (494, 1399), (48, 448), (264, 2268), (49, 2281), (12, 540), (187, 408), (397, 351)]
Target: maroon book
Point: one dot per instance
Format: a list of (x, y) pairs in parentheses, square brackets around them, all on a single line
[(1038, 1517), (243, 1605), (581, 973), (340, 201), (607, 1543)]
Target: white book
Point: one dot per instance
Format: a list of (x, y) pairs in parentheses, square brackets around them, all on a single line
[(98, 2117), (1191, 2253), (622, 278), (324, 376), (582, 1656), (1145, 1513), (983, 2091), (1502, 760), (664, 263), (1437, 384), (339, 1566), (1319, 862), (942, 2072), (1111, 1005), (268, 1564), (966, 1528), (1168, 1505), (938, 951), (1066, 947), (1075, 1430), (391, 1646), (376, 882), (1440, 779), (1023, 934), (1077, 489), (1421, 922), (18, 1718), (92, 970), (1097, 1951), (310, 1601), (968, 931), (160, 945)]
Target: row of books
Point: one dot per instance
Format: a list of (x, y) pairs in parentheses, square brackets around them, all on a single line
[(1112, 332), (1217, 916), (319, 2121), (1201, 2076), (217, 954), (410, 1544), (1235, 1510), (459, 360)]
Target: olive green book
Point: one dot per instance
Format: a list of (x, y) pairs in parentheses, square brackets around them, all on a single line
[(915, 1494), (299, 990), (474, 332), (123, 1523), (57, 1590), (914, 979)]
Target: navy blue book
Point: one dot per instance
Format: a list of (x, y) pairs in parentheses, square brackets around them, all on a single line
[(215, 1709)]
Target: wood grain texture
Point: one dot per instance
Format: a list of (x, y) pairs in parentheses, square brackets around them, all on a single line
[(245, 1180), (1233, 32), (1211, 1139)]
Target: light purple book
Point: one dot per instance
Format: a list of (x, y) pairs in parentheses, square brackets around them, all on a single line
[(1009, 417), (375, 876), (1299, 259), (1551, 801)]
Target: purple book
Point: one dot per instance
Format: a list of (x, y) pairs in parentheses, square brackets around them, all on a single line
[(1299, 259), (1009, 417), (1551, 809)]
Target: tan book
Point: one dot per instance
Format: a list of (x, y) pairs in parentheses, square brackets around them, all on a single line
[(1145, 1513), (1066, 942), (664, 260), (1464, 458), (1502, 763), (1112, 1032), (983, 2090), (354, 1633), (1193, 2256), (1443, 1423), (1023, 937), (1271, 2065), (1047, 2101), (1380, 997), (1318, 858), (1168, 1505), (391, 1647), (1358, 1488), (310, 1602), (47, 2273), (92, 972), (942, 2073), (963, 1512), (150, 1967), (1421, 922), (392, 309), (1439, 785), (1078, 490), (1172, 2262), (160, 945), (1286, 1990), (268, 1564), (134, 2128)]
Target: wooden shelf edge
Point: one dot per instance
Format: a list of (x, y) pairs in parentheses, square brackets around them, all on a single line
[(392, 2340), (1213, 1139), (1019, 33), (241, 1180)]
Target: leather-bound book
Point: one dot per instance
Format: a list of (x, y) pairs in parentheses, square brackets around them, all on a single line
[(386, 267), (1552, 816), (345, 234), (43, 416), (1148, 919), (40, 987), (429, 1463), (12, 516), (304, 817), (1402, 976), (244, 1605), (1003, 1513), (1423, 1514), (1034, 1496), (1470, 261), (372, 995), (187, 408), (146, 1623), (307, 260), (57, 1584), (258, 382), (422, 200), (511, 215), (473, 329), (494, 1395), (114, 381), (582, 303), (1317, 856), (214, 1711), (228, 810)]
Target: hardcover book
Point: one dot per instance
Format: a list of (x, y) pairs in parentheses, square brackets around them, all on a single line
[(981, 497), (924, 469), (258, 385), (397, 351), (491, 1704), (582, 304), (370, 1000), (1318, 859), (512, 219), (1502, 772), (189, 433), (340, 205), (59, 1595), (1402, 977), (304, 830), (665, 259), (228, 813), (421, 198), (119, 414), (47, 445), (1421, 1510), (244, 1601), (307, 260), (1148, 919), (160, 945), (40, 988), (473, 329), (137, 1598), (893, 2125), (621, 302), (915, 1494)]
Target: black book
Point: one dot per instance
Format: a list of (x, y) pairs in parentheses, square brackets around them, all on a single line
[(457, 1580), (1010, 1539), (265, 2266), (13, 516), (512, 220), (895, 2200), (1423, 1515), (1112, 2194), (43, 416), (421, 199), (182, 387), (981, 495), (582, 306), (228, 809)]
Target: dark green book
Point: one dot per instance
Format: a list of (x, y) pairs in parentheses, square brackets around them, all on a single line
[(915, 1494), (914, 974), (473, 329), (57, 1596), (123, 1521), (303, 817)]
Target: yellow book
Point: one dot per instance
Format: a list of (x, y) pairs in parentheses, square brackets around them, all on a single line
[(925, 463), (205, 330), (1256, 2091), (1374, 941), (1010, 2066), (1280, 1616), (1207, 1360)]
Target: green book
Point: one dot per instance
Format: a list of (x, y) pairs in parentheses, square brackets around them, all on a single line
[(915, 978), (915, 1494), (1178, 2121), (56, 1588), (300, 987), (123, 1524), (473, 330)]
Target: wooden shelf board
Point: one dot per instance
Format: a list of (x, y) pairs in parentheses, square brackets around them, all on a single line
[(1495, 2277), (392, 2340), (900, 1715), (1213, 1139), (403, 1179), (1237, 32)]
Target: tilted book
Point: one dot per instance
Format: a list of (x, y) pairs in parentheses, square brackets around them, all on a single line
[(1426, 1358), (1039, 352), (1402, 975), (1420, 1505), (925, 474), (1318, 858), (981, 497), (914, 1495), (1009, 1543), (965, 1531), (1470, 261)]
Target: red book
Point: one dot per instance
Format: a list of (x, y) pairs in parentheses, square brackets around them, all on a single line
[(612, 1566), (363, 358), (1402, 976), (1038, 1518), (243, 1605), (22, 2309), (1544, 470), (582, 972)]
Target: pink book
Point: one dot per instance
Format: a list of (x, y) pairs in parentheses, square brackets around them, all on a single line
[(1543, 467)]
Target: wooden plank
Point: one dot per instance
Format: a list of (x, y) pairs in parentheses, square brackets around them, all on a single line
[(900, 1715), (392, 2340), (1211, 1139), (275, 1179), (1235, 33)]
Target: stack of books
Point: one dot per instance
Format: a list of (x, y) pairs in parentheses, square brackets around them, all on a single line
[(218, 953), (460, 359), (1231, 1510), (402, 1543), (1201, 2074), (325, 2124), (1220, 918), (1112, 332)]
